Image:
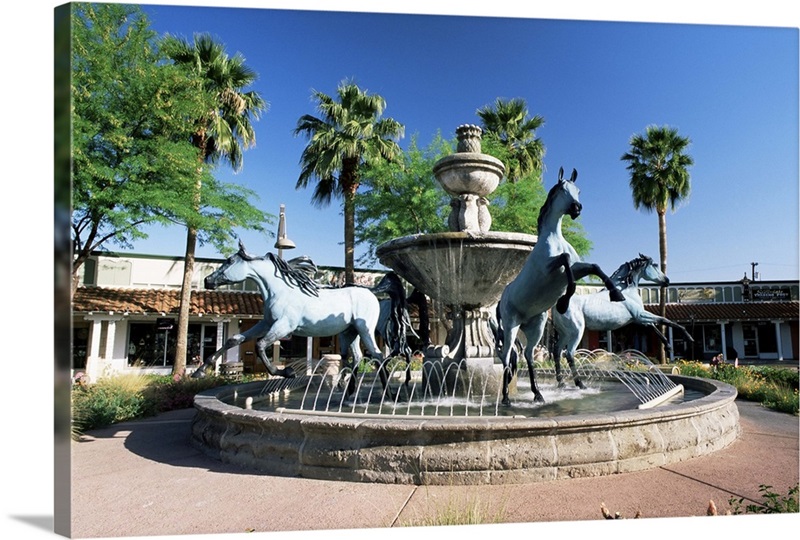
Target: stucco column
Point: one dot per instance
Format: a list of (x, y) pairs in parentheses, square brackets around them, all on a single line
[(93, 358), (220, 340), (108, 354), (778, 339), (724, 340)]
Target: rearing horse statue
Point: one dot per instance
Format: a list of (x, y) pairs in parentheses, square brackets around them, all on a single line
[(547, 278)]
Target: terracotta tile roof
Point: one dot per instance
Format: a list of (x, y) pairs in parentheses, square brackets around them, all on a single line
[(148, 301), (744, 311)]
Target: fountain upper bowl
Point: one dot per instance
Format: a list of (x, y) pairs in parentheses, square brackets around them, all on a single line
[(458, 268), (469, 173)]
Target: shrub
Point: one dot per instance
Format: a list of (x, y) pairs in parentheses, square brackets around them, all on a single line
[(775, 388), (108, 401), (130, 396), (772, 502), (172, 393)]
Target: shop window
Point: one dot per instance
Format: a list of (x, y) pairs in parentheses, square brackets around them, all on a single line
[(80, 346), (718, 294), (750, 335), (672, 295), (148, 346), (767, 339), (712, 342), (737, 294)]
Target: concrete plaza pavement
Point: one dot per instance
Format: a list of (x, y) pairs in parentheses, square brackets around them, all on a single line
[(144, 478)]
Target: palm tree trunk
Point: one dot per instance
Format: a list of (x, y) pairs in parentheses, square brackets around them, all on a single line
[(179, 363), (349, 180), (662, 307), (349, 237)]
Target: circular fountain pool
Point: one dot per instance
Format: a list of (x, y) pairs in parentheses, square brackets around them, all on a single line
[(282, 439)]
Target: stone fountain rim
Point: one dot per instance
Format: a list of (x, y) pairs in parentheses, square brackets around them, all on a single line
[(431, 239), (471, 158), (430, 450)]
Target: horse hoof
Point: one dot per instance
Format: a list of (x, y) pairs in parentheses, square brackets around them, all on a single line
[(617, 296), (579, 384), (506, 402), (562, 304), (561, 384), (538, 398)]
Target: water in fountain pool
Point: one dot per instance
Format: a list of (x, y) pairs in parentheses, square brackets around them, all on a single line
[(324, 393)]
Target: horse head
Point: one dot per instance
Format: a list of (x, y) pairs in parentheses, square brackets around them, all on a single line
[(562, 199), (568, 187), (651, 272), (233, 270)]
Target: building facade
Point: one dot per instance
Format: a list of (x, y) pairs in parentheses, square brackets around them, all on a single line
[(752, 321), (125, 312)]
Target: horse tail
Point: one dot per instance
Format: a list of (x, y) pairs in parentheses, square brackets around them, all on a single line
[(496, 327), (398, 322)]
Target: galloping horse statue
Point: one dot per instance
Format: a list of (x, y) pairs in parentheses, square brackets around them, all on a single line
[(547, 278), (596, 312), (295, 304)]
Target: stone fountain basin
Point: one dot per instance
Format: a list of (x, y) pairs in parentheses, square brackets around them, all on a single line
[(463, 450), (458, 268)]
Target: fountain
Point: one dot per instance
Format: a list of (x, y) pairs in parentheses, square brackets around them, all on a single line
[(478, 262), (450, 428)]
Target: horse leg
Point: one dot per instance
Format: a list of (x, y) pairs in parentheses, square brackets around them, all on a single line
[(376, 355), (570, 354), (256, 331), (533, 331), (583, 269), (572, 338), (275, 333), (509, 338), (563, 303), (350, 351), (650, 319), (555, 352)]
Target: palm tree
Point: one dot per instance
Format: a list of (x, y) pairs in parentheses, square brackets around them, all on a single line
[(659, 180), (350, 133), (220, 135), (508, 121)]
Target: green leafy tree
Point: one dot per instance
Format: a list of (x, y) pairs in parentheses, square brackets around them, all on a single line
[(515, 206), (130, 140), (659, 180), (401, 197), (220, 134), (404, 198), (349, 134), (508, 122)]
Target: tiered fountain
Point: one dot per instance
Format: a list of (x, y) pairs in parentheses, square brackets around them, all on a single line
[(278, 428), (478, 264)]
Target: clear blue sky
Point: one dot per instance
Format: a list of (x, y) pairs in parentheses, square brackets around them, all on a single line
[(733, 90)]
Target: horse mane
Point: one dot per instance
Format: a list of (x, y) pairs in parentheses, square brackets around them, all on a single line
[(545, 209), (623, 276), (298, 273)]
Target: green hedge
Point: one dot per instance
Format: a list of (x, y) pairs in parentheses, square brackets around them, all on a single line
[(775, 388)]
